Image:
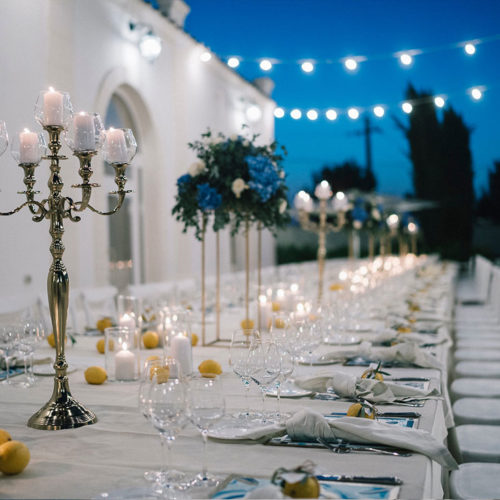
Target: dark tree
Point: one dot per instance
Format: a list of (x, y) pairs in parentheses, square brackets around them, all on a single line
[(345, 176), (442, 172), (489, 203)]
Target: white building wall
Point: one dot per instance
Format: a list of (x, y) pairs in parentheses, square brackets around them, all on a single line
[(85, 47)]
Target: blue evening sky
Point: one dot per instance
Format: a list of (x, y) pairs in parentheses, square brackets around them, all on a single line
[(290, 30)]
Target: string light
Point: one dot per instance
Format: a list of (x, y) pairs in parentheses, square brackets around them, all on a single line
[(350, 64), (233, 62), (439, 101), (476, 93), (312, 114), (331, 114), (307, 67), (353, 113), (405, 59), (407, 107), (279, 112), (296, 114), (254, 113), (266, 65), (379, 111), (205, 56), (470, 48)]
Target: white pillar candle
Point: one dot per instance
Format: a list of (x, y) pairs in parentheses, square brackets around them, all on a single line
[(266, 312), (53, 108), (127, 321), (116, 146), (84, 132), (29, 147), (125, 364), (323, 190), (181, 351)]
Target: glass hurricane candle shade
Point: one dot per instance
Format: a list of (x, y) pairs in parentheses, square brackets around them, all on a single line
[(27, 147), (4, 137), (85, 133), (122, 355), (53, 108), (119, 146)]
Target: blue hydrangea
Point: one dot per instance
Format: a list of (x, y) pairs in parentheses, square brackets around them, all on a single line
[(182, 181), (208, 197), (264, 177), (358, 212)]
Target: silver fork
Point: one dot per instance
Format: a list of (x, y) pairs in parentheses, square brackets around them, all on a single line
[(342, 447)]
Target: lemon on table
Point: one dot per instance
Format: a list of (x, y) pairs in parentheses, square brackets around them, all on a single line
[(14, 457), (358, 410), (4, 436), (104, 323), (150, 340), (404, 329), (210, 368), (95, 375), (370, 373), (307, 488), (276, 306), (101, 345), (194, 339), (160, 372), (52, 341), (247, 324), (154, 357), (279, 323), (336, 287)]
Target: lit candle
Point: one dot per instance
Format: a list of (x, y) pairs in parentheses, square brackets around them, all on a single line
[(127, 321), (265, 312), (125, 363), (181, 350), (29, 147), (280, 302), (53, 107), (300, 311), (84, 132), (303, 201), (116, 146), (292, 295)]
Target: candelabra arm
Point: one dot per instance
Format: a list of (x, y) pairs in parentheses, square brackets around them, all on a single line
[(85, 171), (40, 213)]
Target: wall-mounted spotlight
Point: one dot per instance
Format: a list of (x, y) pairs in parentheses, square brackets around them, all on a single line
[(149, 43)]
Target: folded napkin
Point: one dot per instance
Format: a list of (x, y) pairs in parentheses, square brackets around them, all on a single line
[(307, 425), (349, 386), (404, 353)]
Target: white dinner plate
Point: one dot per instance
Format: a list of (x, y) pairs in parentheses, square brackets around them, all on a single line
[(342, 339), (289, 391)]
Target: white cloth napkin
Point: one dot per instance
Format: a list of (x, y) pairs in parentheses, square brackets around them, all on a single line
[(406, 352), (349, 386), (307, 425)]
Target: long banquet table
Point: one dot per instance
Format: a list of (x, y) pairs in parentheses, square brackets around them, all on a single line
[(114, 453)]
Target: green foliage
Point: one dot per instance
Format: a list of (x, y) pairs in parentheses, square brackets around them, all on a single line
[(442, 172), (223, 164), (489, 203)]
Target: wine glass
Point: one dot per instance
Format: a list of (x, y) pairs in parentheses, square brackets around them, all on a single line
[(8, 346), (239, 351), (163, 368), (264, 360), (206, 406), (166, 404), (287, 365)]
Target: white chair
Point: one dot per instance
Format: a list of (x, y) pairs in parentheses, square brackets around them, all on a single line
[(96, 303), (475, 481), (475, 388), (477, 290), (468, 354), (480, 343), (16, 308), (477, 369), (479, 443), (481, 411)]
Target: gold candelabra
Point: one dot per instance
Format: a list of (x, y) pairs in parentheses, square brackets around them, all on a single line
[(63, 411), (322, 227)]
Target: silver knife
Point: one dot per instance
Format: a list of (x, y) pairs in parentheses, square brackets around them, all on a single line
[(391, 480)]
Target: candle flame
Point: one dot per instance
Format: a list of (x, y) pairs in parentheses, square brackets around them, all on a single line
[(124, 346), (51, 89), (82, 113), (26, 130), (111, 129)]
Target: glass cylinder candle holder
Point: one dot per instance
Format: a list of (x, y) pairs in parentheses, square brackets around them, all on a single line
[(120, 145), (181, 349), (27, 147), (85, 133), (129, 311), (122, 354), (53, 108), (4, 137), (176, 318)]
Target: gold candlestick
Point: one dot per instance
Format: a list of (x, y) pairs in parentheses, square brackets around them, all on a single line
[(62, 411)]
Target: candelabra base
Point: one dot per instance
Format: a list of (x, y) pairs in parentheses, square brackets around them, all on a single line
[(62, 411)]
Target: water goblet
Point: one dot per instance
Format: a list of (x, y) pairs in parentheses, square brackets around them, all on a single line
[(206, 406), (8, 346)]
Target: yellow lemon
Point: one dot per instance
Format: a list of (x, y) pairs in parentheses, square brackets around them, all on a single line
[(154, 357), (412, 319), (276, 306), (372, 374), (150, 340), (414, 307), (279, 323), (404, 329), (104, 323), (308, 488), (101, 344), (95, 375), (160, 372), (247, 324), (210, 368), (335, 287), (52, 341), (4, 436), (14, 457), (194, 339), (357, 410)]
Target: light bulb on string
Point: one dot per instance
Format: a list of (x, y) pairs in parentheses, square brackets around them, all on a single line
[(379, 111), (331, 114), (205, 56), (233, 62), (439, 101), (307, 67), (312, 114), (470, 48), (353, 113), (279, 112), (296, 114), (265, 65), (407, 107), (476, 93), (405, 59), (350, 64)]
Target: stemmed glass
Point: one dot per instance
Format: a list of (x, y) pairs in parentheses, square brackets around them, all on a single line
[(239, 360), (287, 364), (264, 360), (8, 336), (166, 406), (206, 406)]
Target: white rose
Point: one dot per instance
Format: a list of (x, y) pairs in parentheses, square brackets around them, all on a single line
[(234, 137), (217, 140), (357, 224), (197, 168), (238, 186), (283, 206), (281, 174), (376, 214), (246, 143)]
